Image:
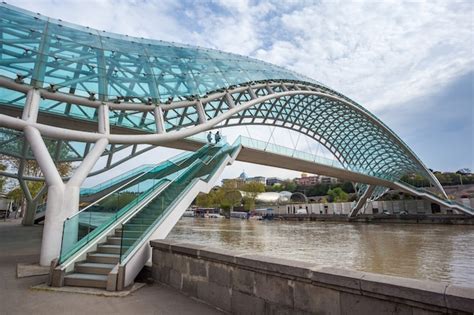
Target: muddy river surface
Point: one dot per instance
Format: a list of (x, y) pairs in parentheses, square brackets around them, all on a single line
[(434, 252)]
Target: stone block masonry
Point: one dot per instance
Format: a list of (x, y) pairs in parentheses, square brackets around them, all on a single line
[(241, 283)]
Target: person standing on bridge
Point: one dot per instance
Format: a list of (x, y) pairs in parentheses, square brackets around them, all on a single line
[(217, 137), (209, 137)]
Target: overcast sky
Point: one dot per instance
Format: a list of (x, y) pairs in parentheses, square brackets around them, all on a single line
[(411, 64)]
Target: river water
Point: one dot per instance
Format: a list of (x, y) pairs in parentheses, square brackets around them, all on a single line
[(432, 252)]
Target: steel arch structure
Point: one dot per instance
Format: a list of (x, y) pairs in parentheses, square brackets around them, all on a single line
[(171, 90), (71, 93)]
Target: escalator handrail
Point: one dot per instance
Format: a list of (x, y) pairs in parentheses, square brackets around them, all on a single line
[(179, 163)]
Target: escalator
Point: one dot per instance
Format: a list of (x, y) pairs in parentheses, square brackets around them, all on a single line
[(90, 195), (99, 244), (423, 193)]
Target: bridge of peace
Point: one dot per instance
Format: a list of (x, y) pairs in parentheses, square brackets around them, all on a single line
[(72, 94)]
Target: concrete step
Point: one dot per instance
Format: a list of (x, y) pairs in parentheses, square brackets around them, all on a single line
[(86, 280), (108, 249), (115, 240), (93, 268), (103, 258)]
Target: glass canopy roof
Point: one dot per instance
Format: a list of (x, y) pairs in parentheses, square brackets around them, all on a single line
[(81, 60), (63, 57)]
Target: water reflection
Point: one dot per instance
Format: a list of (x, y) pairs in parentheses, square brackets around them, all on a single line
[(435, 252)]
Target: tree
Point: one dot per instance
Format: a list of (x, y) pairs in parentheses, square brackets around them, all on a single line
[(2, 179), (464, 171), (249, 203), (252, 189), (289, 185), (338, 195), (232, 198), (17, 146), (203, 200)]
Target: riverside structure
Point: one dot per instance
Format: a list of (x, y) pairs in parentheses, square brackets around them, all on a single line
[(70, 93)]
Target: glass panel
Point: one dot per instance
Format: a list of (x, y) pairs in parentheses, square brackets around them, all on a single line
[(132, 173)]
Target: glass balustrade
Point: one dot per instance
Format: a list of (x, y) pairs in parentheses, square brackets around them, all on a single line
[(129, 174)]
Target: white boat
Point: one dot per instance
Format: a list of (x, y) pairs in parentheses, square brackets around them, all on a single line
[(188, 213), (213, 216)]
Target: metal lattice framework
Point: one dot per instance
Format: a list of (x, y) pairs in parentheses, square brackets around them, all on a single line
[(95, 85)]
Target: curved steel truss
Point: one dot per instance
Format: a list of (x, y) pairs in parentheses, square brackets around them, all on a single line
[(95, 85)]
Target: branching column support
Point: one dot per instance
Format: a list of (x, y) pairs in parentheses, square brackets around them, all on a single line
[(362, 201), (30, 114), (63, 198), (31, 202)]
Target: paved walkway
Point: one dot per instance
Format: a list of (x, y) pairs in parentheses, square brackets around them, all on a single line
[(22, 244)]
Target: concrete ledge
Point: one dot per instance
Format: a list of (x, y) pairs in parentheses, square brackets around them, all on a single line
[(228, 279), (186, 249), (460, 298), (89, 291), (24, 270), (428, 292), (290, 268), (349, 280)]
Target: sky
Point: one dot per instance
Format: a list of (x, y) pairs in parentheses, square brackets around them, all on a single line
[(409, 63)]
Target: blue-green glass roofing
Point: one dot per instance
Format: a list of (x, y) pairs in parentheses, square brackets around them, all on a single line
[(74, 58)]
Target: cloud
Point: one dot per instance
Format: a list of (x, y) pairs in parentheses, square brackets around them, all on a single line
[(378, 53)]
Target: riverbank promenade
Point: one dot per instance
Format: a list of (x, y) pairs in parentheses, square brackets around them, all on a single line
[(20, 244)]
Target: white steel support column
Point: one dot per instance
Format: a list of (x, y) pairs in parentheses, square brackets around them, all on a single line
[(63, 199), (159, 120), (103, 119), (200, 111), (228, 99), (30, 111)]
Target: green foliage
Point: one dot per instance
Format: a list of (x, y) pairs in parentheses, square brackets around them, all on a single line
[(249, 203), (289, 185), (446, 179), (338, 195), (3, 180), (203, 200), (254, 188), (17, 193), (322, 189)]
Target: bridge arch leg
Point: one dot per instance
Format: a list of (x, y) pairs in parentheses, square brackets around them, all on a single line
[(362, 201)]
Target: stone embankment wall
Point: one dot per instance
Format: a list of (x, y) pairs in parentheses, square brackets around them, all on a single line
[(373, 207), (252, 284)]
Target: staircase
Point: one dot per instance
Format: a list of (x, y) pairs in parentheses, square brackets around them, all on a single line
[(93, 272)]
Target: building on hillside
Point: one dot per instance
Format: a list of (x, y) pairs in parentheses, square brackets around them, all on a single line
[(256, 179), (273, 180), (306, 180), (242, 179), (236, 183)]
